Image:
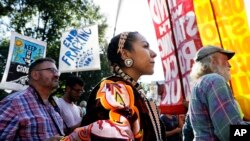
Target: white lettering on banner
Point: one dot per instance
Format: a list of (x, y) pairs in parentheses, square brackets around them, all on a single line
[(170, 65), (182, 31), (22, 69), (165, 27), (177, 11), (186, 55), (74, 42), (166, 45), (158, 10), (172, 3), (185, 30), (192, 29), (173, 92)]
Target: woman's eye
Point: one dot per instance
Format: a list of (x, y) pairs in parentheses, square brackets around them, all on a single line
[(145, 44)]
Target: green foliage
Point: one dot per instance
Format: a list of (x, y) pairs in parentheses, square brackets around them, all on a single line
[(2, 94), (4, 47), (46, 20)]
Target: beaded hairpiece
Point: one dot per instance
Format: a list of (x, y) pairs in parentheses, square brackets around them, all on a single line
[(122, 40)]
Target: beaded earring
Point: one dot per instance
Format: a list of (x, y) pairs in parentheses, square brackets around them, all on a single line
[(128, 62)]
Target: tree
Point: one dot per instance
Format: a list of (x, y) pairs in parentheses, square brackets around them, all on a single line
[(46, 20), (3, 55)]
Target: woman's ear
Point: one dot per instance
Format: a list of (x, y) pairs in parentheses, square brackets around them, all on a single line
[(125, 54)]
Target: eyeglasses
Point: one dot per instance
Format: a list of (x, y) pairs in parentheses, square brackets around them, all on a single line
[(78, 90), (53, 70)]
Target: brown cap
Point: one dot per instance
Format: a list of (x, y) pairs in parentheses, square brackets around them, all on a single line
[(208, 50)]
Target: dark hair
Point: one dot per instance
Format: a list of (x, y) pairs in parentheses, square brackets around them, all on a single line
[(113, 56), (38, 62), (72, 80)]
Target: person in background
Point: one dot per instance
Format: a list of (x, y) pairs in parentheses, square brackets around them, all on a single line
[(117, 107), (187, 130), (71, 113), (29, 114), (212, 108), (172, 127)]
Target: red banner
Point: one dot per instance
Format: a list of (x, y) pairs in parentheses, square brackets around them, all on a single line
[(178, 39)]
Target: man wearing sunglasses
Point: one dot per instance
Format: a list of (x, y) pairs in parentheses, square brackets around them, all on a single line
[(30, 114), (71, 113)]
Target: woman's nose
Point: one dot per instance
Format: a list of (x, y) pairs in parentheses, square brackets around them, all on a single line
[(152, 53)]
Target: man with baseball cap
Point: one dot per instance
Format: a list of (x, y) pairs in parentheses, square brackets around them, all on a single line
[(208, 50), (212, 107)]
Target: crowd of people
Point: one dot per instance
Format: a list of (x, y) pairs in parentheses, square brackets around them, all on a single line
[(117, 108)]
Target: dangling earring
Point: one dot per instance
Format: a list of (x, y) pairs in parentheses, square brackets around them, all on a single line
[(128, 62)]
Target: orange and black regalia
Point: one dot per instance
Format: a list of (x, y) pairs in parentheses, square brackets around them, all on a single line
[(117, 109)]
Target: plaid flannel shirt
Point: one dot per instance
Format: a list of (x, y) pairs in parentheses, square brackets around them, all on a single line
[(213, 109), (23, 116)]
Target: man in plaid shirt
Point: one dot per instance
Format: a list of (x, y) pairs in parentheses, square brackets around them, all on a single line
[(29, 115), (212, 107)]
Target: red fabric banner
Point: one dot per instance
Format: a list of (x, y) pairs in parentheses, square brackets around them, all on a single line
[(178, 39)]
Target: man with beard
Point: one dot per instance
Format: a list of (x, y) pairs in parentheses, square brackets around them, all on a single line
[(70, 112), (29, 114), (212, 107)]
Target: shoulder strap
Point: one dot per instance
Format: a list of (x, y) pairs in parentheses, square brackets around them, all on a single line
[(57, 109)]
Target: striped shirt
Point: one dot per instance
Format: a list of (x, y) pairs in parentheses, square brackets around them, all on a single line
[(213, 109), (24, 116)]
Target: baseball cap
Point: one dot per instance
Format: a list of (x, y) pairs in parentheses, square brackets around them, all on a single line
[(208, 50)]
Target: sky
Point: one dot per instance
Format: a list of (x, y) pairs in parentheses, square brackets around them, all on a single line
[(134, 15)]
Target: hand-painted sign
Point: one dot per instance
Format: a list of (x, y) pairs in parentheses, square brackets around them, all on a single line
[(22, 52), (80, 50)]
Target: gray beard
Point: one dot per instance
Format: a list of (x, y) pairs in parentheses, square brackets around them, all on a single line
[(221, 71)]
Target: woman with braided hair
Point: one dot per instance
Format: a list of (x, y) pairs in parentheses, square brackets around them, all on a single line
[(117, 108)]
